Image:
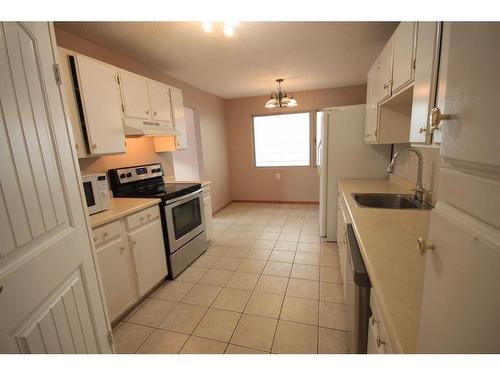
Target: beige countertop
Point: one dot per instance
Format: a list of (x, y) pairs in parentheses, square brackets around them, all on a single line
[(388, 244), (121, 207), (173, 180)]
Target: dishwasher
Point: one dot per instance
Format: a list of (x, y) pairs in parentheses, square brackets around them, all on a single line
[(357, 296)]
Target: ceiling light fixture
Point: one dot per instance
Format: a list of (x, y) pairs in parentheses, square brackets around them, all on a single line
[(280, 98), (229, 28)]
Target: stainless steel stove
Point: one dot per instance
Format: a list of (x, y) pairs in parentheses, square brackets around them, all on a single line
[(182, 212)]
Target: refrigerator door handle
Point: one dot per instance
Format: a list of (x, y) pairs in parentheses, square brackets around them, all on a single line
[(320, 146)]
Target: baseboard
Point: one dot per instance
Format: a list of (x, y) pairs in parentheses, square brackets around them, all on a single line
[(220, 209), (283, 202)]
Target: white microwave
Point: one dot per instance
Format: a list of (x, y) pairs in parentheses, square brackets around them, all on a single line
[(96, 191)]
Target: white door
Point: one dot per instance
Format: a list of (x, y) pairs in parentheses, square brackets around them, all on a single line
[(101, 105), (460, 306), (135, 96), (159, 96), (50, 300), (323, 168), (181, 141)]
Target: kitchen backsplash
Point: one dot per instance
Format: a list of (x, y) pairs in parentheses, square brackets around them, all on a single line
[(407, 167), (139, 151)]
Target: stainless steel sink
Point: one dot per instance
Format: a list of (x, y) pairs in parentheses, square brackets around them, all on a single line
[(392, 201)]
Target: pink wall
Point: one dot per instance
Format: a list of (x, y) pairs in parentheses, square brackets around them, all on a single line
[(210, 110), (296, 183)]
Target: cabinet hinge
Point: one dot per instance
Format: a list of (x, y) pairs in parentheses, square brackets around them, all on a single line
[(110, 338), (118, 79), (414, 64), (57, 74), (123, 108)]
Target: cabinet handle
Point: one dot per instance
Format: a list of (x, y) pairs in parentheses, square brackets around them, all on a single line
[(149, 215), (386, 86), (122, 248), (380, 342), (95, 145), (95, 239), (105, 234), (422, 246), (147, 112), (422, 130), (154, 113), (142, 218), (435, 118), (373, 320)]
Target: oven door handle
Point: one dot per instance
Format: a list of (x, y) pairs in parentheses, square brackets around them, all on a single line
[(184, 197)]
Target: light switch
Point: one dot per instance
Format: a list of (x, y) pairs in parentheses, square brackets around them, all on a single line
[(278, 176)]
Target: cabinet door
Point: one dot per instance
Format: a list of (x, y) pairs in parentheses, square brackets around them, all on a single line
[(383, 77), (117, 274), (371, 107), (403, 41), (135, 96), (181, 141), (424, 89), (101, 103), (149, 255), (70, 100), (207, 205), (159, 96)]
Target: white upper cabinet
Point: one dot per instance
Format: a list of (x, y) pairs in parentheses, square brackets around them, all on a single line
[(89, 86), (134, 95), (159, 95), (100, 99), (371, 107), (146, 106), (181, 141), (403, 43), (383, 76), (424, 88)]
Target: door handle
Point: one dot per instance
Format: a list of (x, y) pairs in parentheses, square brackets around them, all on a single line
[(435, 118)]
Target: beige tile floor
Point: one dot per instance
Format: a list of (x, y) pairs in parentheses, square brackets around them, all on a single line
[(266, 284)]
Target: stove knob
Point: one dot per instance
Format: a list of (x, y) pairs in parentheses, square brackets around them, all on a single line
[(129, 174), (122, 175), (153, 170)]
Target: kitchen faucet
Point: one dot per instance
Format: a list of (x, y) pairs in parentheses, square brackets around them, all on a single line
[(419, 188)]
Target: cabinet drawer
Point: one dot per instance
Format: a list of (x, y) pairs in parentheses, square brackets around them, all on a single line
[(141, 217), (106, 232)]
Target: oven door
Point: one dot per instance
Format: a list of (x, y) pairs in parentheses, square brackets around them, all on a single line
[(184, 219)]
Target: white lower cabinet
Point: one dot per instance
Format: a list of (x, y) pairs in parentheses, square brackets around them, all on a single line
[(117, 275), (132, 259), (378, 340), (148, 253), (207, 206), (342, 220)]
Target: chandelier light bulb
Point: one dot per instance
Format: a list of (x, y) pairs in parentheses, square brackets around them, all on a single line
[(207, 26), (228, 30)]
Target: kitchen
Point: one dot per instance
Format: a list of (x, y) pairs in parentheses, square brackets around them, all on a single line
[(205, 216)]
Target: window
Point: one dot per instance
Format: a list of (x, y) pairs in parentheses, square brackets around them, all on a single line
[(282, 140)]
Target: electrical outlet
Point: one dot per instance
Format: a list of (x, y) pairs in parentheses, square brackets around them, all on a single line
[(278, 176)]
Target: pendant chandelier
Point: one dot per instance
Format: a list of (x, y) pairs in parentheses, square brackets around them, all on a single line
[(280, 98)]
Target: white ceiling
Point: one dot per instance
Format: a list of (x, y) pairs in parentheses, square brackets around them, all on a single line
[(308, 55)]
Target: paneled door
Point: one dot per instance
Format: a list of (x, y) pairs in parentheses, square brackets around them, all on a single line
[(461, 304), (50, 300)]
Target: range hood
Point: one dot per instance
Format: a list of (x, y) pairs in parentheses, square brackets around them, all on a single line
[(148, 128)]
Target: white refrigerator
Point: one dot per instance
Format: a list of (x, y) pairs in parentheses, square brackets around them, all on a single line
[(343, 154)]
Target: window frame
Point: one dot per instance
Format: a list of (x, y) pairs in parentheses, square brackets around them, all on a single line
[(312, 128)]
